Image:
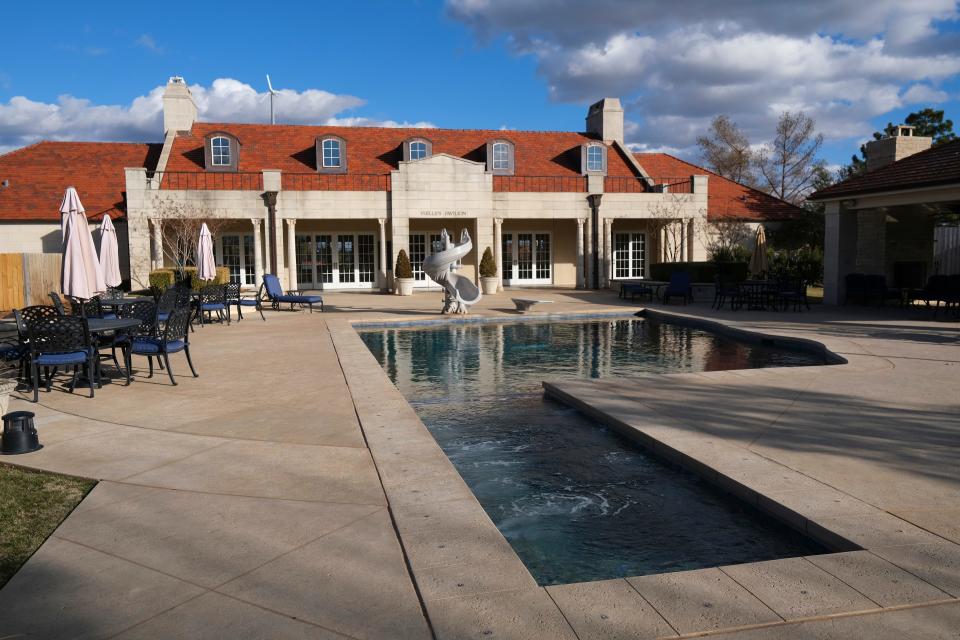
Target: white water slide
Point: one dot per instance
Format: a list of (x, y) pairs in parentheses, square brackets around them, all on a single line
[(461, 291)]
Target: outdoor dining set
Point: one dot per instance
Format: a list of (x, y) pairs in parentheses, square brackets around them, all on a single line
[(754, 295)]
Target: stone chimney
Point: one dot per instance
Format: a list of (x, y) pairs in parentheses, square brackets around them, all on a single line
[(895, 147), (179, 109), (605, 119)]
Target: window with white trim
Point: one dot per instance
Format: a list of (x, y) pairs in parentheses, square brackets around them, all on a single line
[(629, 255), (501, 156), (220, 151), (418, 150), (594, 158), (332, 153)]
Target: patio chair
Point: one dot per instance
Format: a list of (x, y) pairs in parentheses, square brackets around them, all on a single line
[(37, 314), (634, 289), (146, 313), (213, 299), (57, 303), (235, 298), (174, 337), (792, 291), (60, 341), (679, 286), (725, 288), (276, 296), (92, 308)]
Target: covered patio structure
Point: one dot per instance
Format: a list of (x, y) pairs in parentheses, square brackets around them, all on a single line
[(901, 221)]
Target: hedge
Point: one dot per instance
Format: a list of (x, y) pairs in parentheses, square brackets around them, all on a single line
[(700, 271), (163, 279)]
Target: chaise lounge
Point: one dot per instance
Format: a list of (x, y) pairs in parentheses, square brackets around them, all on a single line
[(276, 296)]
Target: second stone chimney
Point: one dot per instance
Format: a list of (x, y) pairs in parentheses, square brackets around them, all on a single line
[(605, 119), (179, 109), (895, 147)]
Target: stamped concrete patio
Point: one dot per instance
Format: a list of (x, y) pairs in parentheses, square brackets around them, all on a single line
[(290, 491)]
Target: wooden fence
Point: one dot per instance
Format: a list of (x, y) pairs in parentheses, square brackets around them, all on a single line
[(28, 278)]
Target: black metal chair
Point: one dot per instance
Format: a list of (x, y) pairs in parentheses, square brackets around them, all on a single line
[(146, 313), (792, 291), (57, 303), (60, 341), (172, 339), (725, 289), (213, 299), (92, 308)]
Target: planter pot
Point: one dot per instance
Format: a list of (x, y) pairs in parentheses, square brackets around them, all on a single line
[(7, 386), (489, 285), (404, 286)]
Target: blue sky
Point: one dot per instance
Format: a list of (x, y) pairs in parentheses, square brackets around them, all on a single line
[(524, 64)]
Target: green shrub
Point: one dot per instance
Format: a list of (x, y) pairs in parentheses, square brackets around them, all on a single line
[(805, 262), (488, 266), (735, 253), (162, 279), (700, 271), (403, 268)]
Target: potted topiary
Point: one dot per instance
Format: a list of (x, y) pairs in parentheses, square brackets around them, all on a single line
[(488, 273), (403, 274)]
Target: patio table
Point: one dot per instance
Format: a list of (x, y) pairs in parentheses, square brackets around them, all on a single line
[(116, 303), (758, 294)]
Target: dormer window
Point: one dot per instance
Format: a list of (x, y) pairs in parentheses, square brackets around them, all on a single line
[(594, 159), (221, 152), (500, 157), (331, 154), (417, 149)]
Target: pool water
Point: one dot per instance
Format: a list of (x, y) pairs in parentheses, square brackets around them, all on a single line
[(576, 500)]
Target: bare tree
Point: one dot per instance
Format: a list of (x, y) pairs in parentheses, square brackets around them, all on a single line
[(180, 224), (788, 165), (667, 221), (726, 151)]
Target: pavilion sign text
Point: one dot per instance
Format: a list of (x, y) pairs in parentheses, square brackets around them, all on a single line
[(433, 213)]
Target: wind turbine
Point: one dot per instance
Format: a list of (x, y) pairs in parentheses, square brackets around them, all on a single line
[(272, 93)]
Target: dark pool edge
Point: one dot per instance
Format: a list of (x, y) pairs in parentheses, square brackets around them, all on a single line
[(368, 325), (749, 336), (832, 541)]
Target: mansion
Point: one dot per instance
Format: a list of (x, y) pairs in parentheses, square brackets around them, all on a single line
[(329, 207)]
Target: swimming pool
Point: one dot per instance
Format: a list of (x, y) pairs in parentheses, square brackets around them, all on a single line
[(575, 500)]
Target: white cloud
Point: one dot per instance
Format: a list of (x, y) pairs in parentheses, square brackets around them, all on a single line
[(677, 67), (146, 41), (24, 121)]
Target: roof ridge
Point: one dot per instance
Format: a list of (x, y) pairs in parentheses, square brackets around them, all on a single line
[(504, 132)]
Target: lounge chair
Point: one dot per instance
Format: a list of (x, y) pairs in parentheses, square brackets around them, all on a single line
[(276, 296), (679, 286)]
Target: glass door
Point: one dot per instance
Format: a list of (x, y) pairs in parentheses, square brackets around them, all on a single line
[(421, 246), (341, 261), (629, 255), (235, 251), (527, 258)]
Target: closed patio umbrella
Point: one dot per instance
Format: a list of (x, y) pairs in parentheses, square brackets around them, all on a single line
[(206, 266), (758, 261), (109, 252), (80, 275)]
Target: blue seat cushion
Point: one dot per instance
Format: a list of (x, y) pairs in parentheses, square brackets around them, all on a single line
[(298, 299), (149, 346), (213, 306), (11, 352), (55, 359), (109, 316), (163, 316), (248, 302)]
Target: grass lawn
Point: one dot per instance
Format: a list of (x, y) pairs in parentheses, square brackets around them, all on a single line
[(815, 295), (32, 504)]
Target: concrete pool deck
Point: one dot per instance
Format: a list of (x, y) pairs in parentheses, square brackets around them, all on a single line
[(290, 491)]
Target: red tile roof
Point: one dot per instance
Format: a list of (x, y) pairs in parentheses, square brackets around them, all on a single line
[(377, 151), (726, 198), (937, 165), (40, 173)]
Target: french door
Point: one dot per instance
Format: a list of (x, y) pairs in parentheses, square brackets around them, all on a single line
[(421, 246), (336, 261), (527, 258), (629, 255), (235, 251)]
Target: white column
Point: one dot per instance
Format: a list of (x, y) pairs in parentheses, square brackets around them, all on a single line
[(291, 254), (588, 241), (382, 274), (156, 244), (498, 250), (607, 252), (257, 252), (581, 283)]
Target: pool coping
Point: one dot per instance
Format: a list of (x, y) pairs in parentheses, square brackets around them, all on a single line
[(458, 558)]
